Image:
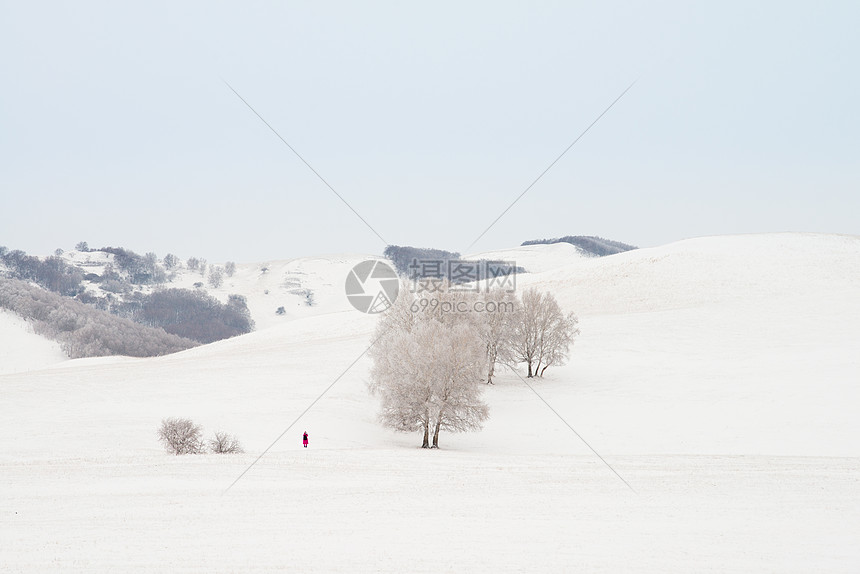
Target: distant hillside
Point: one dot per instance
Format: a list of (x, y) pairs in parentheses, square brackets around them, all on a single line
[(593, 245), (96, 287)]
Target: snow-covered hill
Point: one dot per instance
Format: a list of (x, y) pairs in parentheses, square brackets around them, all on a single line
[(266, 285), (719, 376)]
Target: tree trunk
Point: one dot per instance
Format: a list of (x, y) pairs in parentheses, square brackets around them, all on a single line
[(542, 370), (436, 435), (492, 355), (530, 369), (426, 443)]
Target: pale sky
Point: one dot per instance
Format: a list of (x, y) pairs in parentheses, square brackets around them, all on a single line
[(428, 118)]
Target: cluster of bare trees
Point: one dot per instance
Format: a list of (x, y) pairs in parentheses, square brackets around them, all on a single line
[(52, 273), (184, 436), (194, 314), (137, 269), (403, 256), (429, 360), (85, 331), (542, 334)]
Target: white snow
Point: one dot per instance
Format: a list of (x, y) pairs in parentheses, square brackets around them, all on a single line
[(718, 376), (23, 350)]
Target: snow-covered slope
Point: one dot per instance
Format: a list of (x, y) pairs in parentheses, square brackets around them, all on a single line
[(23, 350), (742, 344), (285, 284), (719, 376), (707, 271)]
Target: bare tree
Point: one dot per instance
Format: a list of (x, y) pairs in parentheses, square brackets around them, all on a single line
[(230, 268), (193, 263), (543, 334), (154, 269), (171, 261), (216, 276), (223, 443), (426, 372), (181, 436)]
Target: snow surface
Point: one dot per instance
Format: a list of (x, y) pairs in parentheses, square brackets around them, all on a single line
[(23, 350), (719, 376)]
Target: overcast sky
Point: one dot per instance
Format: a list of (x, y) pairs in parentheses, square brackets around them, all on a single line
[(429, 119)]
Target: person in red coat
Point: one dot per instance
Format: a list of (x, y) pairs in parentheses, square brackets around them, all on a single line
[(305, 439)]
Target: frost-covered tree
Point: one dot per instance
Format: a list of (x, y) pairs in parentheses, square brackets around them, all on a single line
[(426, 372), (498, 319), (181, 436), (230, 268), (543, 333)]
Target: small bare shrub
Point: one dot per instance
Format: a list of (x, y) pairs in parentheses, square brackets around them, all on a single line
[(181, 436), (224, 443)]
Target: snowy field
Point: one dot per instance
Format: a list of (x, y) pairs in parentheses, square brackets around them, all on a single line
[(719, 377)]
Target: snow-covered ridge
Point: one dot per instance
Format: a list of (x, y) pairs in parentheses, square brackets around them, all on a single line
[(705, 271)]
